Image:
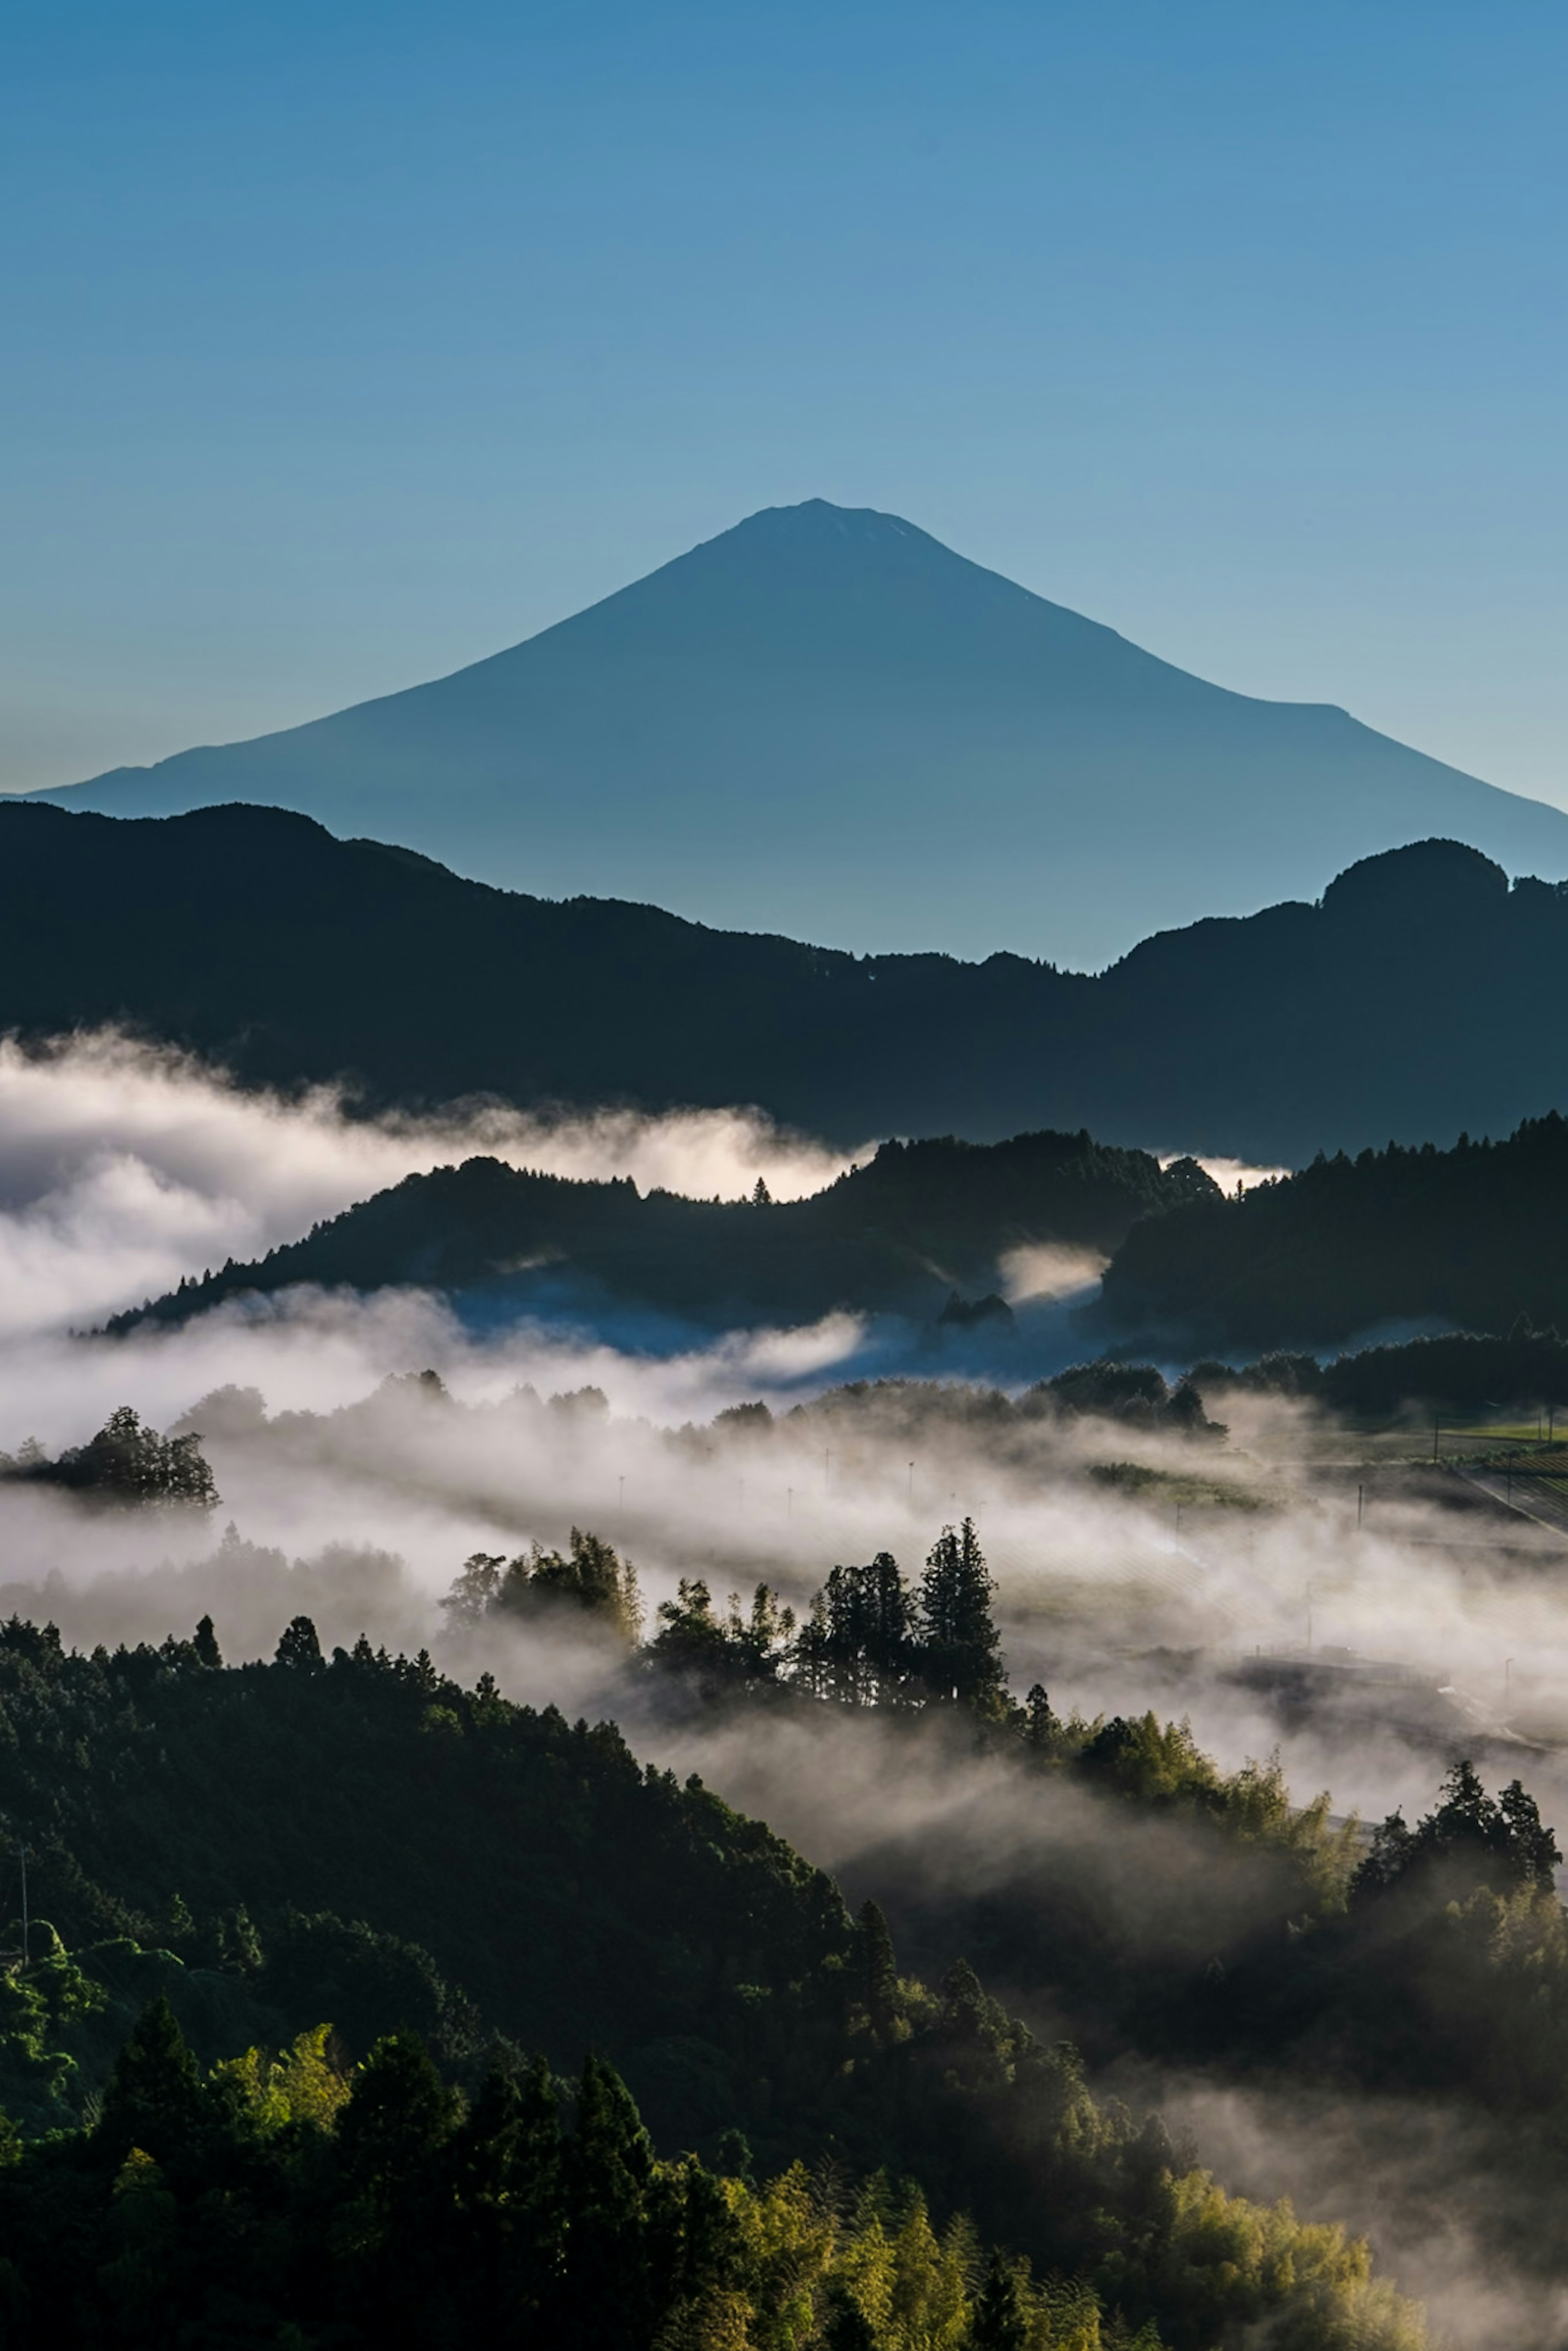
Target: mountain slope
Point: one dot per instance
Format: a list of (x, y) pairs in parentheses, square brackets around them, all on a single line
[(1471, 1238), (826, 723), (1417, 999), (892, 1236)]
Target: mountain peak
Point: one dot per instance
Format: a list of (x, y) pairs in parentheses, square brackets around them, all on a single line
[(824, 722), (816, 527), (820, 518)]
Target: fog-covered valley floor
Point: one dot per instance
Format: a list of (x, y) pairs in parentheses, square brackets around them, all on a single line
[(1366, 1621)]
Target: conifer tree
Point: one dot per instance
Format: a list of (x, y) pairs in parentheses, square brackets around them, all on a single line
[(876, 1969), (608, 2172), (299, 1648), (153, 2097), (960, 1647), (1000, 2321), (398, 2115)]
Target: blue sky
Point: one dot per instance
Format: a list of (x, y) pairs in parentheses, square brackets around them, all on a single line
[(341, 344)]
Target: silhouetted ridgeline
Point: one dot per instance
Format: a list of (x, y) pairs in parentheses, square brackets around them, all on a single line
[(1419, 998), (1474, 1237), (894, 1235)]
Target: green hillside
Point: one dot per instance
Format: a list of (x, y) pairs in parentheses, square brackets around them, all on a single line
[(480, 1880)]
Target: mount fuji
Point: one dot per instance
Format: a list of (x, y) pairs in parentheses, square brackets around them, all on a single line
[(824, 723)]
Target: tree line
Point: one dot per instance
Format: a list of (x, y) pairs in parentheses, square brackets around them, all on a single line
[(1473, 1237), (126, 1462)]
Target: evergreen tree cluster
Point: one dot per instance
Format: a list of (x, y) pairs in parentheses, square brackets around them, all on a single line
[(1470, 1837), (870, 1638), (126, 1462), (589, 1578)]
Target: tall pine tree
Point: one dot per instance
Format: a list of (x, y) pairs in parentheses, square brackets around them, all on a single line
[(960, 1648)]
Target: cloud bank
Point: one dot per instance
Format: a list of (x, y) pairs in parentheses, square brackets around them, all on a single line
[(123, 1167)]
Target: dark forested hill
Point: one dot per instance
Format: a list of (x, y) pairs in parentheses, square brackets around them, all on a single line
[(824, 722), (1473, 1238), (897, 1235), (1419, 999)]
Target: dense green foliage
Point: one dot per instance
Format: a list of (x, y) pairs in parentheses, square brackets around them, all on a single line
[(285, 2200), (871, 1240), (1473, 1237), (526, 1882), (125, 1462), (252, 934), (1268, 1941), (588, 1578), (870, 1638)]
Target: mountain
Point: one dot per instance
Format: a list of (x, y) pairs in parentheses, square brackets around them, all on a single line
[(825, 723), (896, 1236), (1417, 998)]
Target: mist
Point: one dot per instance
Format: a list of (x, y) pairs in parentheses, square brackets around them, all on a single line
[(125, 1165), (1136, 1567)]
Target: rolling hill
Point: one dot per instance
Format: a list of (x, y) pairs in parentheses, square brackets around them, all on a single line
[(1419, 998), (896, 1236), (825, 723)]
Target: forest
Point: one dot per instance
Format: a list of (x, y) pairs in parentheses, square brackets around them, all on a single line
[(246, 2113), (1470, 1237), (503, 2022)]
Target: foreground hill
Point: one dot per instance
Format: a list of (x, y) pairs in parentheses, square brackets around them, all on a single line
[(824, 722), (470, 1875), (1417, 999), (895, 1236)]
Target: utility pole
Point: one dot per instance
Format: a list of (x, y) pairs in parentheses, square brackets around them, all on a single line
[(1359, 1505), (1436, 1424), (912, 1485)]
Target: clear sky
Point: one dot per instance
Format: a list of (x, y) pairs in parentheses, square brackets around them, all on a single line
[(341, 344)]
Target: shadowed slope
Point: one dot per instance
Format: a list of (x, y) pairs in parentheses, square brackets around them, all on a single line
[(1419, 998)]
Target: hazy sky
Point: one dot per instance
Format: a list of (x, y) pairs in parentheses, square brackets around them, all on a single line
[(342, 344)]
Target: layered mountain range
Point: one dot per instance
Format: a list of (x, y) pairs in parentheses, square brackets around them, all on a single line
[(1419, 996), (826, 723)]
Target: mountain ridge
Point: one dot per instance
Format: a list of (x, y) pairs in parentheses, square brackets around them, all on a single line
[(253, 938), (824, 722)]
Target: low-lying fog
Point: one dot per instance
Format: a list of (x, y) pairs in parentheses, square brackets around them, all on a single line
[(1134, 1569), (120, 1168)]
